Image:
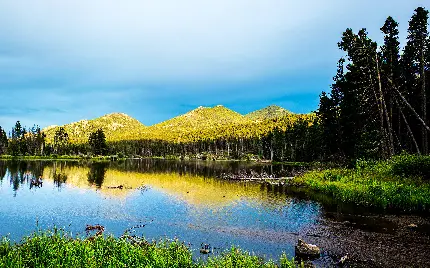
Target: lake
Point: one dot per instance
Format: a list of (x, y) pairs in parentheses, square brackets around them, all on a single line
[(187, 200)]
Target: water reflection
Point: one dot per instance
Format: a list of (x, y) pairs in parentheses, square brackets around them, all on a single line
[(3, 170), (192, 189), (171, 198), (192, 182), (97, 173), (176, 199)]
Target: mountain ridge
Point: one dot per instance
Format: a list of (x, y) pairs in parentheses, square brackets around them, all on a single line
[(271, 111), (116, 126), (199, 123)]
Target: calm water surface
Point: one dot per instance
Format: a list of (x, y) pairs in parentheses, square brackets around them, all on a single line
[(172, 199), (185, 200)]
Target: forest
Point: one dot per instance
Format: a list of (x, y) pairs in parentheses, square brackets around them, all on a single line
[(377, 107)]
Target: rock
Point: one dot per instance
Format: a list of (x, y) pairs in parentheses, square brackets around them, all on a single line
[(343, 261), (309, 251), (205, 249)]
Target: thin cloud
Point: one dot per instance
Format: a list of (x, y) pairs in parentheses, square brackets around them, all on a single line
[(155, 59)]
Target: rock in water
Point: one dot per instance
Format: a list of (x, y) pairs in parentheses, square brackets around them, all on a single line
[(412, 226), (309, 251), (342, 261)]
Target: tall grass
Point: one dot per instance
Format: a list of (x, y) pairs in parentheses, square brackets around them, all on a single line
[(399, 183), (57, 249)]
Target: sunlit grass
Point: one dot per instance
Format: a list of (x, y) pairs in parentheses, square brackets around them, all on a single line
[(57, 249), (399, 183)]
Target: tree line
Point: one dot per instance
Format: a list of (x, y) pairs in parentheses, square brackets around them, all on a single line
[(32, 142), (378, 104), (377, 107)]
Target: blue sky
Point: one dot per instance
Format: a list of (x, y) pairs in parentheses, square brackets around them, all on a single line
[(62, 61)]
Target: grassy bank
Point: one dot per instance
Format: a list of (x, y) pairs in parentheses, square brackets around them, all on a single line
[(57, 249), (402, 182)]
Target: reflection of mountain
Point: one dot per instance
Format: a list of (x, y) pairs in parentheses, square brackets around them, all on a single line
[(192, 189)]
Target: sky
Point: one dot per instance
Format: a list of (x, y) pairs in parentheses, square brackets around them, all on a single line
[(63, 61)]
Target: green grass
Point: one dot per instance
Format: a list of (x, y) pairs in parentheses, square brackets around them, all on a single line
[(57, 249), (399, 183)]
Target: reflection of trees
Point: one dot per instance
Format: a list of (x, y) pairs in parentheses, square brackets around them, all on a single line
[(18, 174), (97, 172), (59, 179), (207, 169), (58, 175), (2, 170), (21, 172)]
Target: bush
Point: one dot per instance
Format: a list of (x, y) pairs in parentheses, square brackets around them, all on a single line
[(411, 166)]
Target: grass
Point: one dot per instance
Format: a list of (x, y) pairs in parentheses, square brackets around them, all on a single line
[(399, 183), (55, 248)]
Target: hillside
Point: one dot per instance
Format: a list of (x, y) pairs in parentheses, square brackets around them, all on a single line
[(116, 126), (202, 117), (202, 123), (195, 124), (211, 123), (269, 112)]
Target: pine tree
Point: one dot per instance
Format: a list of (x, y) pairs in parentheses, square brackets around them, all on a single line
[(362, 113), (3, 141), (61, 141), (14, 147), (97, 142), (391, 77), (414, 63)]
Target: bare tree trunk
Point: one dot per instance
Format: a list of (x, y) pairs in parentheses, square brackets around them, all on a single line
[(410, 107), (387, 118), (423, 104), (409, 129), (381, 119)]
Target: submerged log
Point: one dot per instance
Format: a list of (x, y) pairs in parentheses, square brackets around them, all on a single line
[(116, 187)]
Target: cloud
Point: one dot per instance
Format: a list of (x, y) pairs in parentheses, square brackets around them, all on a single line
[(152, 59), (151, 41)]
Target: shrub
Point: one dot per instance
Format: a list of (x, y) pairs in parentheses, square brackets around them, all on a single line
[(411, 166)]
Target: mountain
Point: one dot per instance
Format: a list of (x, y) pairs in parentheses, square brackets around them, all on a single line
[(203, 117), (202, 123), (116, 126), (269, 112)]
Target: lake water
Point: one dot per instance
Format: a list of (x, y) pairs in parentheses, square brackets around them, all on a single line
[(172, 199)]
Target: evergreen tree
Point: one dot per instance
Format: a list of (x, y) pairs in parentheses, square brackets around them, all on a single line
[(328, 117), (15, 141), (3, 141), (97, 142), (391, 77), (361, 108), (414, 65), (61, 141)]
